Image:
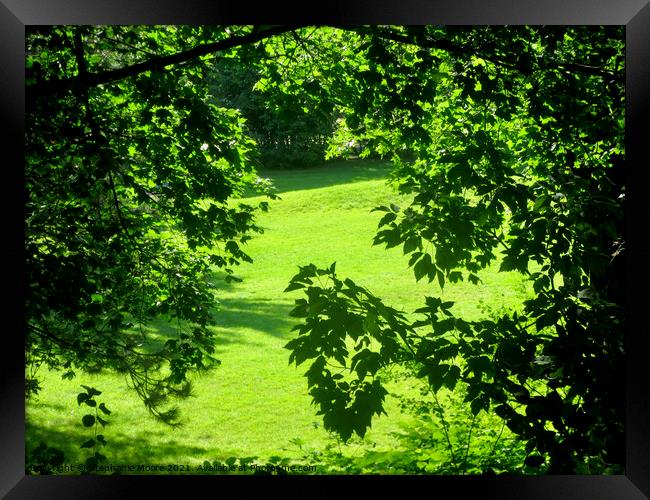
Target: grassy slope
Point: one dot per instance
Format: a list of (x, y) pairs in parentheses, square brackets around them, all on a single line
[(254, 404)]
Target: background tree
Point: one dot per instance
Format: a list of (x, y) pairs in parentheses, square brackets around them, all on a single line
[(288, 132)]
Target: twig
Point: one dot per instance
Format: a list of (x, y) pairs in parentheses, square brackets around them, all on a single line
[(444, 427), (487, 460), (469, 438)]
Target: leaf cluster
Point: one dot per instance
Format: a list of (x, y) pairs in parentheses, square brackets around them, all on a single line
[(128, 209), (517, 158)]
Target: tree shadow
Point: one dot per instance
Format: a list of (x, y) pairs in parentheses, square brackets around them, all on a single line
[(47, 404), (238, 321), (143, 447), (270, 317), (331, 174)]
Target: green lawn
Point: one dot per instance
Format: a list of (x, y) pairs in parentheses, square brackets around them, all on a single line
[(254, 404)]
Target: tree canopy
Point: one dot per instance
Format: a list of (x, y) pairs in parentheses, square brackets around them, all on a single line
[(509, 139), (129, 171)]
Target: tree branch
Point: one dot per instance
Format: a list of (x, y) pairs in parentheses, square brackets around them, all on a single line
[(416, 39), (44, 333), (85, 80)]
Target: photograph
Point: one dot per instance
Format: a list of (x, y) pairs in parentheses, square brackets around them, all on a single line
[(355, 249)]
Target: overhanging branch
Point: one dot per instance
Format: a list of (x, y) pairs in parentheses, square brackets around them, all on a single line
[(464, 51), (85, 80)]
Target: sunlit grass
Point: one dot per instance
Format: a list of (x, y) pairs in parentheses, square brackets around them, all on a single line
[(254, 404)]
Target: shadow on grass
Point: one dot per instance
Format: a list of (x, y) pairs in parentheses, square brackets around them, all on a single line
[(238, 321), (144, 447), (267, 317), (51, 406), (329, 174)]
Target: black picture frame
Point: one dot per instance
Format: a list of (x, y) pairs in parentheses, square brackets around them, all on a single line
[(634, 14)]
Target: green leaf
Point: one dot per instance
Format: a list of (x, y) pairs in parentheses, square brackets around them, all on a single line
[(97, 297), (91, 391), (103, 408), (534, 461), (435, 374), (88, 444), (444, 258), (444, 326), (422, 267), (411, 244), (294, 286), (414, 258), (387, 219), (441, 279), (481, 364), (504, 411), (455, 276), (549, 318), (460, 172), (451, 377), (88, 420), (478, 404), (540, 202)]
